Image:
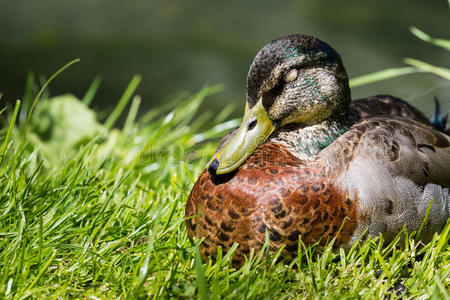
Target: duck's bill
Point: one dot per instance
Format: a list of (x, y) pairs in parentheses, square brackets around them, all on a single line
[(256, 127)]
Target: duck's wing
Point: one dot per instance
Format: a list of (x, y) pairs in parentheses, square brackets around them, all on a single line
[(384, 105), (405, 147), (394, 166)]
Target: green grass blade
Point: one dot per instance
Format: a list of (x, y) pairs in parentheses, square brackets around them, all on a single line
[(92, 90), (10, 128), (28, 95), (131, 117), (425, 219), (131, 88), (144, 267), (425, 67), (189, 174), (42, 270), (425, 37), (200, 278), (382, 75), (44, 86), (441, 287)]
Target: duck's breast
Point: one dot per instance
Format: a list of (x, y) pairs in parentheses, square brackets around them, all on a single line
[(272, 192)]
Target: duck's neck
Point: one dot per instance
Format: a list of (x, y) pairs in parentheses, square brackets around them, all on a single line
[(307, 141)]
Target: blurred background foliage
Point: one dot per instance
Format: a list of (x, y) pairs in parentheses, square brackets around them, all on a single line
[(183, 45)]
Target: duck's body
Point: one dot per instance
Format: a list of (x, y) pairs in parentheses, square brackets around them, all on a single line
[(325, 168)]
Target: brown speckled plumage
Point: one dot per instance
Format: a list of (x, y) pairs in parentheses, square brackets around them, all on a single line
[(273, 191), (331, 169)]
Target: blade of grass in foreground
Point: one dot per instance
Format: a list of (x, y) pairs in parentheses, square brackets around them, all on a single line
[(92, 90), (132, 113), (129, 91), (200, 280), (30, 112), (10, 128)]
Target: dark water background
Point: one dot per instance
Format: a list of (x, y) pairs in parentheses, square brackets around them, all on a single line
[(183, 45)]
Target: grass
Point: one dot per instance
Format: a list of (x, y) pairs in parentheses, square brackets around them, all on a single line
[(98, 212)]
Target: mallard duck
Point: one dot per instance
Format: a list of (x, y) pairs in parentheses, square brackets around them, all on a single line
[(308, 162)]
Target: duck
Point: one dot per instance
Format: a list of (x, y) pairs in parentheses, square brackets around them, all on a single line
[(308, 163)]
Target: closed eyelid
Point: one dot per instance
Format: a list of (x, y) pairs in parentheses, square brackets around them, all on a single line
[(291, 75)]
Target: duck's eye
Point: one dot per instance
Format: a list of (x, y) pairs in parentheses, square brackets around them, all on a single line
[(291, 75), (251, 124)]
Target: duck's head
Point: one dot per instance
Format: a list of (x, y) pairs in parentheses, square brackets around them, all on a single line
[(295, 79)]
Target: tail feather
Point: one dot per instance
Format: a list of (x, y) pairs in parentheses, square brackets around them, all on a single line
[(437, 121)]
